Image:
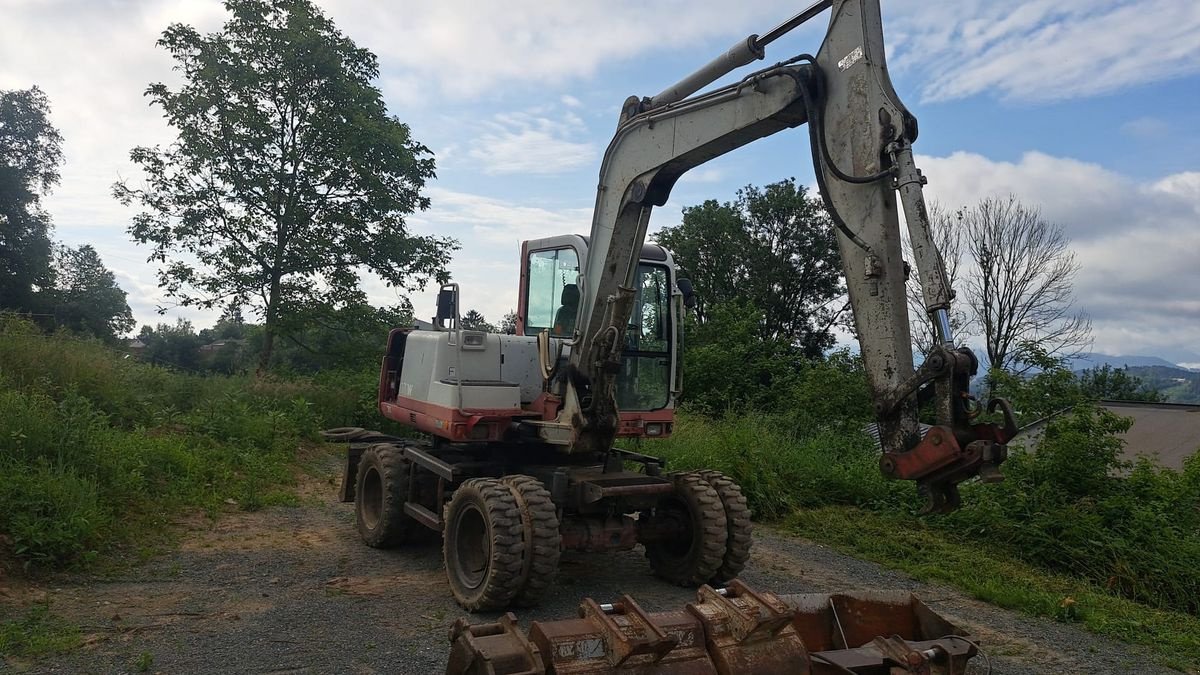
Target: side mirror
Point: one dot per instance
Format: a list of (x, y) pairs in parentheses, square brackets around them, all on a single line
[(447, 306), (689, 295)]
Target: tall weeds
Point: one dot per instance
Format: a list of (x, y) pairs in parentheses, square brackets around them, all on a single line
[(97, 449)]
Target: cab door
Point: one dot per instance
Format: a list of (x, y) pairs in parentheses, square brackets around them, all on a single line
[(551, 273)]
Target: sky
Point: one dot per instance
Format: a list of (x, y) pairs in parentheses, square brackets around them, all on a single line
[(1087, 109)]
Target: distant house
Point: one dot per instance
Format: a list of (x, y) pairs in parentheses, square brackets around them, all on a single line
[(218, 345), (1169, 433), (135, 346)]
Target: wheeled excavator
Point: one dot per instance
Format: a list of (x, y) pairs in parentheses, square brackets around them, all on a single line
[(522, 461)]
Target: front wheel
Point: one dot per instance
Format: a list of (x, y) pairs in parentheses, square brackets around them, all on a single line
[(739, 528), (543, 542), (483, 545), (694, 554)]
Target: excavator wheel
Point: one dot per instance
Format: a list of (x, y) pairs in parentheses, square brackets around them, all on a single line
[(739, 527), (381, 488), (483, 545), (693, 556), (539, 518)]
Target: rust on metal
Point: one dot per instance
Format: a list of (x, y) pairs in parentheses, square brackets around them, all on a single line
[(599, 534), (623, 640), (842, 632), (748, 632), (625, 484), (937, 450), (726, 631), (497, 648)]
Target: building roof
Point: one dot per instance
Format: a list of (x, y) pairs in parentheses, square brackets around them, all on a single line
[(1169, 433)]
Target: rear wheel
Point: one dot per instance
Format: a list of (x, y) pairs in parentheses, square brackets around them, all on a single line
[(694, 554), (543, 543), (381, 488), (483, 546), (739, 529)]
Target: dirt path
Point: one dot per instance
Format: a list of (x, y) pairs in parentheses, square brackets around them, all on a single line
[(292, 590)]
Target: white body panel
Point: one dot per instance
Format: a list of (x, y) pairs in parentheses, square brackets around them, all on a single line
[(497, 372)]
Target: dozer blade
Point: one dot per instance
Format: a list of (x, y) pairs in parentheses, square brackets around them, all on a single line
[(726, 631)]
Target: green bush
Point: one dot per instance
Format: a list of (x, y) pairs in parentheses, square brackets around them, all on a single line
[(1074, 506), (97, 449), (1077, 507), (779, 465)]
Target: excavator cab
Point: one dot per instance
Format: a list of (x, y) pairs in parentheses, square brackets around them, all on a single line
[(552, 273)]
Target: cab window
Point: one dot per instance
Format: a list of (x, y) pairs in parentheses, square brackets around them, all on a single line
[(553, 295), (645, 379)]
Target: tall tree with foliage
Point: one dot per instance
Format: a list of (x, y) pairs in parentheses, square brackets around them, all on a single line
[(474, 320), (175, 345), (1022, 292), (508, 325), (86, 297), (773, 248), (288, 175), (30, 154)]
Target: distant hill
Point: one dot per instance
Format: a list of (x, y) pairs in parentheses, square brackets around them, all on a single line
[(1094, 360), (1178, 385)]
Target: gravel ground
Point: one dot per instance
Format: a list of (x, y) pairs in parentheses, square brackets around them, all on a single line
[(292, 590)]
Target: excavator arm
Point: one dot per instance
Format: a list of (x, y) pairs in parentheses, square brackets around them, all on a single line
[(861, 137)]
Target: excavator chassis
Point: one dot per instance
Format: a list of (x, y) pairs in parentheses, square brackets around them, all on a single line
[(725, 631), (506, 511)]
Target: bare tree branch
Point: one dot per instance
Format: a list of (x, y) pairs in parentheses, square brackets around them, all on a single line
[(1022, 291)]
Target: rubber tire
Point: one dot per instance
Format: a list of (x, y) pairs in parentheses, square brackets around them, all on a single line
[(697, 562), (739, 530), (543, 543), (342, 434), (380, 490), (486, 505)]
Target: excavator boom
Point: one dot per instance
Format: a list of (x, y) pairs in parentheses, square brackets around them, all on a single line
[(861, 137)]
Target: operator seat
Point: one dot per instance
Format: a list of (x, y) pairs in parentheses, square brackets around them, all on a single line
[(564, 318)]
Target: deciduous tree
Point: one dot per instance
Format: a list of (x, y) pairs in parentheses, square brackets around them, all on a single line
[(86, 297), (773, 248), (1022, 292), (30, 154), (288, 176)]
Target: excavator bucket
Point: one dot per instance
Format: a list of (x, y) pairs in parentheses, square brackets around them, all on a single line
[(875, 631), (726, 631)]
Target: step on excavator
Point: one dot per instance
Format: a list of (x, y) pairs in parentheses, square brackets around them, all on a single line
[(521, 461)]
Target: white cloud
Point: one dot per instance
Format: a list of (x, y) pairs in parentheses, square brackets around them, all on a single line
[(531, 142), (469, 48), (570, 101), (1042, 49), (1137, 243), (1146, 128), (490, 231)]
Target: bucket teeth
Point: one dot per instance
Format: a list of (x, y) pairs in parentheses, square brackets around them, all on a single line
[(725, 631)]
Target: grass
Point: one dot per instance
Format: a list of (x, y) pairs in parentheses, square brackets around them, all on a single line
[(37, 632), (994, 576), (1061, 537), (101, 454)]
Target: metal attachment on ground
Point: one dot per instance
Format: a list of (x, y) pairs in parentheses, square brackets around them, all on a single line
[(842, 632), (726, 631), (622, 637), (748, 632), (492, 648)]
